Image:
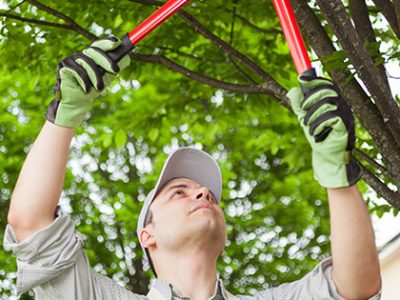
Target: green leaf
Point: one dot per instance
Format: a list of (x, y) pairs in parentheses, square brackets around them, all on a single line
[(153, 134), (120, 138), (33, 81), (335, 56), (274, 148), (395, 211), (107, 140), (118, 21), (379, 213)]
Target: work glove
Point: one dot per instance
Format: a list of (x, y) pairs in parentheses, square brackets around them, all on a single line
[(328, 123), (81, 78)]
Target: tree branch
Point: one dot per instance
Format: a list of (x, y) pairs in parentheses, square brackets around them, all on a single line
[(268, 87), (351, 42), (352, 91), (397, 10), (241, 72), (387, 8), (362, 23), (16, 5), (199, 58), (257, 28), (277, 91), (231, 35), (34, 21), (67, 19), (360, 14), (372, 162), (247, 89), (203, 59), (380, 188)]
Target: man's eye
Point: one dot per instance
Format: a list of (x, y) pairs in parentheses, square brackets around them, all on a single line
[(177, 192)]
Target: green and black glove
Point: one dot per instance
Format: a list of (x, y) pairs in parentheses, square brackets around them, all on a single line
[(81, 78), (328, 123)]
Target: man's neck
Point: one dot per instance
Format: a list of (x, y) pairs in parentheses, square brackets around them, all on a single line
[(193, 276)]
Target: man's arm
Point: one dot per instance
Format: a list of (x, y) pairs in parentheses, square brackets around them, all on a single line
[(356, 271), (80, 79), (40, 181), (328, 124)]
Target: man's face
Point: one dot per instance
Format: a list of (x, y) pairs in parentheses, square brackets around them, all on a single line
[(185, 213)]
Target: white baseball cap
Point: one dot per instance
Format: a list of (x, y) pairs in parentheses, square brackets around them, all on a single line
[(189, 163)]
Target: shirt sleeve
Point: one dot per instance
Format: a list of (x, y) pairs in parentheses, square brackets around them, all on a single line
[(318, 284), (52, 263)]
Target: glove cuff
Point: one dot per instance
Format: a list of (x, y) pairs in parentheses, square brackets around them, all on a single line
[(332, 174), (52, 110), (353, 171)]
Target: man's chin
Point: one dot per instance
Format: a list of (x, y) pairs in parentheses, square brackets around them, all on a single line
[(207, 225), (204, 230)]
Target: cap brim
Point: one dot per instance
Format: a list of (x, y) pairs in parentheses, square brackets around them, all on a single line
[(193, 164)]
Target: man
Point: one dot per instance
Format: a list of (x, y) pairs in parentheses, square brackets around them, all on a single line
[(181, 226)]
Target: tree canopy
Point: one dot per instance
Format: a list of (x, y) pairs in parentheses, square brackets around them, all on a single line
[(215, 76)]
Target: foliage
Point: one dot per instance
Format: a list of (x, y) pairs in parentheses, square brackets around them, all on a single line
[(213, 77)]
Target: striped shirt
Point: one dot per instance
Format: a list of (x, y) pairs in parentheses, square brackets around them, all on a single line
[(53, 263)]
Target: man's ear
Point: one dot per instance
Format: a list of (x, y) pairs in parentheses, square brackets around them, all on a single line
[(146, 237)]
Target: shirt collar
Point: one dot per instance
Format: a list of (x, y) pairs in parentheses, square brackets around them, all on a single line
[(171, 293)]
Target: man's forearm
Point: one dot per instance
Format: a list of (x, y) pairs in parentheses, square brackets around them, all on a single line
[(356, 269), (40, 182)]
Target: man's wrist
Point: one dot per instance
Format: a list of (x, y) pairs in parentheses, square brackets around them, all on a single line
[(64, 130), (346, 189)]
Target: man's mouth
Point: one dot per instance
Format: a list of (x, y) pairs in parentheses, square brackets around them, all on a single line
[(201, 205)]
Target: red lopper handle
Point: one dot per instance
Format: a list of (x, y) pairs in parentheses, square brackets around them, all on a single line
[(137, 34), (293, 36), (158, 17)]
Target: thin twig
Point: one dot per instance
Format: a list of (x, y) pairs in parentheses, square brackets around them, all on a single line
[(371, 161), (247, 89), (242, 72), (16, 5), (380, 188), (199, 58), (257, 28), (64, 17), (231, 34), (34, 21)]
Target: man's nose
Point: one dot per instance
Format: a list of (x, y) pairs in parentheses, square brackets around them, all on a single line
[(204, 192)]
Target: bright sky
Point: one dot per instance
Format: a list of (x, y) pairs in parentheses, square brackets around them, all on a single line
[(386, 228)]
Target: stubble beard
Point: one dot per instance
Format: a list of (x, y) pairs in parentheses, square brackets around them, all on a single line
[(205, 232), (200, 231)]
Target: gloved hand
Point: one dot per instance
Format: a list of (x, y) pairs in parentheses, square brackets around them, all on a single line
[(328, 123), (80, 80)]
